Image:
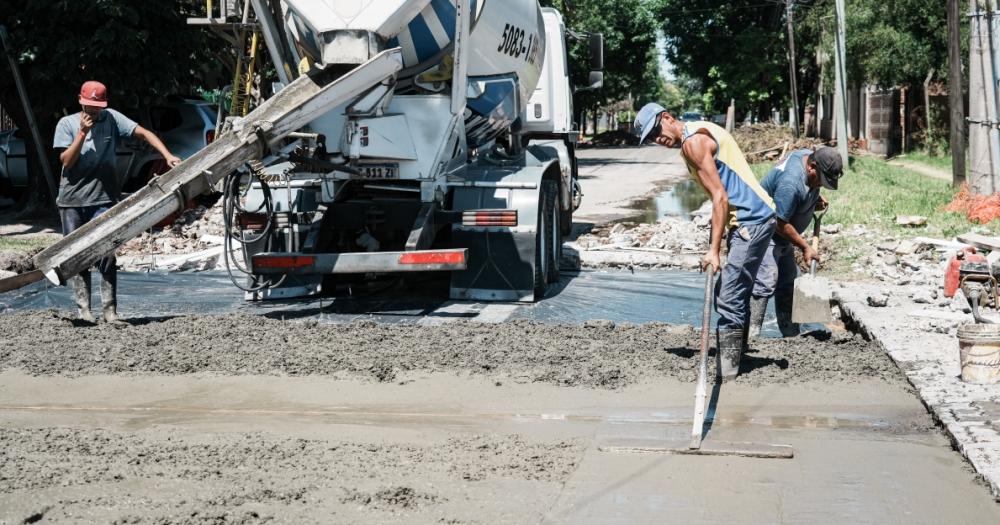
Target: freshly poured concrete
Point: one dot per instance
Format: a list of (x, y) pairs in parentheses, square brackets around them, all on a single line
[(449, 447)]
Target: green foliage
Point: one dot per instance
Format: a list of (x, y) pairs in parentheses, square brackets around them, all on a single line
[(681, 94), (888, 44), (141, 50), (631, 68), (735, 48)]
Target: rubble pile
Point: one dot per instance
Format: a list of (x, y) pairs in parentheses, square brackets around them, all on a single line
[(765, 141), (13, 263), (672, 242), (905, 261), (195, 229)]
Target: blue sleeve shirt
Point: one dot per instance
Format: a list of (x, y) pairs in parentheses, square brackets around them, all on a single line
[(794, 201)]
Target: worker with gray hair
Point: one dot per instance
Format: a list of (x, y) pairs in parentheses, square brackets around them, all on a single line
[(794, 185), (741, 211)]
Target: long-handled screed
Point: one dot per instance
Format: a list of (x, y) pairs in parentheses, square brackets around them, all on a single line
[(701, 391), (697, 446)]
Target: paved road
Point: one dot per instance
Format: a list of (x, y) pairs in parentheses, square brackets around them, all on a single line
[(613, 178)]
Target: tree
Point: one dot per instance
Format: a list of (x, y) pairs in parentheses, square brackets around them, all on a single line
[(681, 94), (631, 68), (142, 51), (734, 48), (888, 43)]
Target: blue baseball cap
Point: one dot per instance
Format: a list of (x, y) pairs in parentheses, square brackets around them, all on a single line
[(646, 120)]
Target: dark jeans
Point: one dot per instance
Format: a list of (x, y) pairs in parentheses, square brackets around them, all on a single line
[(747, 246), (73, 218)]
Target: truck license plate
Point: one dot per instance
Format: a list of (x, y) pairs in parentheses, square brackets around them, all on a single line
[(379, 171)]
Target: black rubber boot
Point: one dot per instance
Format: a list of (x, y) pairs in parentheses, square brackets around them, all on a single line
[(81, 294), (730, 350), (109, 300), (758, 309), (783, 310)]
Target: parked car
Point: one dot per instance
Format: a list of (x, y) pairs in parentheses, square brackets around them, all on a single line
[(185, 126), (691, 116)]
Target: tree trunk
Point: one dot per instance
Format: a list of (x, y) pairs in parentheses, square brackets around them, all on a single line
[(956, 108)]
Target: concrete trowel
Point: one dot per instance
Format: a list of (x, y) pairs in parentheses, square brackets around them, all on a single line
[(698, 446), (811, 296)]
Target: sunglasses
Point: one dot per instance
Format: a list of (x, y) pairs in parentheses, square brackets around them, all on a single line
[(655, 132)]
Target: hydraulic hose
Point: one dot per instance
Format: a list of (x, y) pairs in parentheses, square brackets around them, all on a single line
[(231, 205)]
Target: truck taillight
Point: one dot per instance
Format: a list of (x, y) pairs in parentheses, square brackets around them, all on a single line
[(209, 136), (429, 257), (283, 261), (489, 218)]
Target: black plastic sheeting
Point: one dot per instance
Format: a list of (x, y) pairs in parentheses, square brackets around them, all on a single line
[(625, 297)]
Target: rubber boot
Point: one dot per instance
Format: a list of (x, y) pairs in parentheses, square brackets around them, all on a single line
[(783, 311), (109, 301), (730, 350), (81, 294), (758, 309)]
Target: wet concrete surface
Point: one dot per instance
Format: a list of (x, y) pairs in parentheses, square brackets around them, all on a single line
[(640, 296), (598, 354), (271, 414), (438, 447)]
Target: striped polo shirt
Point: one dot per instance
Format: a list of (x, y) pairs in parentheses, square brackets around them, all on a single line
[(748, 202)]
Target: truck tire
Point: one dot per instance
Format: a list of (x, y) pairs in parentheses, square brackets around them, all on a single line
[(554, 235), (543, 240)]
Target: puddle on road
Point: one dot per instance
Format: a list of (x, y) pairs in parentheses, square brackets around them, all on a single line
[(678, 201)]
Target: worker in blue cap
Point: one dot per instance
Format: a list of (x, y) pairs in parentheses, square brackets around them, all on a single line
[(742, 213)]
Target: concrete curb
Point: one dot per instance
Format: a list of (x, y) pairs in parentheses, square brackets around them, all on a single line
[(969, 413)]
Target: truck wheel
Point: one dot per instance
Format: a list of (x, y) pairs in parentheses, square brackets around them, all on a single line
[(543, 242), (554, 234)]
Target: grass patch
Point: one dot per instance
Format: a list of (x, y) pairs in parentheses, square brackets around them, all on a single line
[(934, 161), (872, 193), (24, 244)]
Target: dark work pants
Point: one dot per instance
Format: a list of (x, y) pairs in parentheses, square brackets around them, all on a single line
[(73, 218), (747, 246)]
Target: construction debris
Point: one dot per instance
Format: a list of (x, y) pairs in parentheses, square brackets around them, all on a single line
[(769, 142), (672, 242), (912, 221), (192, 242)]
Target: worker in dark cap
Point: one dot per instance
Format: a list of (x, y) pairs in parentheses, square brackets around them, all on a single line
[(794, 185)]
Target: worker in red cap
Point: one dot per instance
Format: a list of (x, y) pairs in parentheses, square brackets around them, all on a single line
[(89, 186)]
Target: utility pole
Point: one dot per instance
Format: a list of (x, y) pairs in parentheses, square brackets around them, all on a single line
[(791, 67), (983, 161), (840, 90), (956, 104)]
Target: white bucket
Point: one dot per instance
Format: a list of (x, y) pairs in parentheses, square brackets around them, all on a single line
[(979, 351)]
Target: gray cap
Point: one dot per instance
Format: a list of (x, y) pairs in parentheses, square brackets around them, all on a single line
[(830, 166), (646, 119)]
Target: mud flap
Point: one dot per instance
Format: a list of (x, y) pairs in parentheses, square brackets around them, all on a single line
[(501, 260), (501, 266)]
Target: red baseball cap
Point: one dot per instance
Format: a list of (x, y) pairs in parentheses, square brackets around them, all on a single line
[(93, 93)]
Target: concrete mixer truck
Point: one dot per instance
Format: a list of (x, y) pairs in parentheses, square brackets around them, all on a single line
[(408, 136)]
